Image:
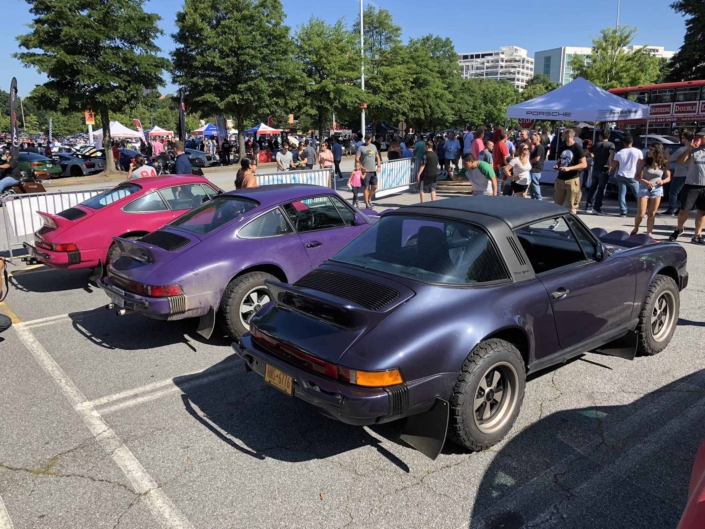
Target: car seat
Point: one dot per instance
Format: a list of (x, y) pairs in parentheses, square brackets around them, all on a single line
[(432, 251)]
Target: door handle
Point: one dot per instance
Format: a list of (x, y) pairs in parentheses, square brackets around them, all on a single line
[(313, 244), (560, 293)]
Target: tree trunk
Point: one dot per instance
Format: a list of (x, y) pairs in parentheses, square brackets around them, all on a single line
[(107, 140), (240, 136)]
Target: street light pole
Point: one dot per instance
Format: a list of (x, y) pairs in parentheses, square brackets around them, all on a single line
[(362, 52), (618, 2)]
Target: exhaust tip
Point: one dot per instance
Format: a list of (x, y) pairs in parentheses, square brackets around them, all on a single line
[(110, 306), (121, 312)]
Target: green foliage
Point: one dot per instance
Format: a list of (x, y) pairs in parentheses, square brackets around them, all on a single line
[(330, 68), (483, 101), (96, 54), (689, 63), (233, 57), (538, 85), (611, 65)]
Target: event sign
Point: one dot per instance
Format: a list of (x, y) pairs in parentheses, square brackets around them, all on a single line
[(90, 118), (138, 124), (13, 119)]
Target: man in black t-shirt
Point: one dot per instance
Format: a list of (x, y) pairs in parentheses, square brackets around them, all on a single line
[(537, 157), (429, 172), (603, 152), (570, 162)]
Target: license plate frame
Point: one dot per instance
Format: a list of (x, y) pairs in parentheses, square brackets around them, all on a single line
[(278, 379)]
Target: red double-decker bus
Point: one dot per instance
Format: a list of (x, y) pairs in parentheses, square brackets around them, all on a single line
[(674, 106)]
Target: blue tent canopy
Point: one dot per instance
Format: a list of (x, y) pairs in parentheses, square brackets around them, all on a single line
[(206, 130)]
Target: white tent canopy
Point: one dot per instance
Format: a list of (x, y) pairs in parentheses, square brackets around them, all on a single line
[(579, 100), (158, 131), (118, 130)]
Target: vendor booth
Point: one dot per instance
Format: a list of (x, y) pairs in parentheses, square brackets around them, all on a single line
[(118, 130), (206, 130), (579, 100), (159, 132), (265, 156)]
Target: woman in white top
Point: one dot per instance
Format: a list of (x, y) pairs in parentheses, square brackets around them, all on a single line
[(519, 171), (139, 169), (652, 174)]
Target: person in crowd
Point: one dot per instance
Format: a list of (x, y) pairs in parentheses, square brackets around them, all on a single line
[(441, 152), (519, 171), (245, 177), (510, 146), (468, 138), (419, 151), (299, 160), (369, 158), (225, 151), (652, 174), (47, 150), (679, 174), (566, 190), (486, 155), (157, 147), (116, 156), (182, 165), (337, 149), (523, 139), (140, 169), (451, 148), (9, 173), (693, 192), (429, 172), (625, 163), (537, 158), (478, 144), (406, 152), (603, 153), (500, 158), (149, 150), (480, 174), (378, 143), (325, 157), (587, 172), (308, 156), (143, 147), (355, 181), (394, 151), (577, 133), (285, 158)]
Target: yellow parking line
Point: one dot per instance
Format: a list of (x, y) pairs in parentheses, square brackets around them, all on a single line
[(7, 311), (33, 268)]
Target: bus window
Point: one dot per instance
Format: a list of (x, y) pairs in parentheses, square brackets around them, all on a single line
[(641, 97), (691, 93), (662, 96)]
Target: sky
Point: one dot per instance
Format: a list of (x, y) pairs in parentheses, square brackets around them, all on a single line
[(481, 26)]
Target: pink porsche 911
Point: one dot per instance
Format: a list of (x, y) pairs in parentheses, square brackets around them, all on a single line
[(82, 236)]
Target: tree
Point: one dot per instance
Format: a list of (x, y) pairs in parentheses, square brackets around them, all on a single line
[(233, 57), (96, 54), (330, 68), (612, 65), (538, 85), (689, 63)]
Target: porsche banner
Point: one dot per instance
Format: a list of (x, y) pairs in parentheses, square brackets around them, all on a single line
[(13, 119)]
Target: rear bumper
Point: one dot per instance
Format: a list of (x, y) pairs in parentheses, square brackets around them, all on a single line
[(70, 260), (351, 404), (683, 281)]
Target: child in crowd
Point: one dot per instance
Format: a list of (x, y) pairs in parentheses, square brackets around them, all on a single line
[(355, 181)]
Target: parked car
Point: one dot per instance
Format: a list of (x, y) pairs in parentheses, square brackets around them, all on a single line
[(200, 158), (42, 166), (127, 156), (694, 514), (82, 236), (216, 258), (73, 165), (439, 311)]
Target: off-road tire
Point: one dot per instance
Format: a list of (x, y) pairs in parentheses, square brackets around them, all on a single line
[(461, 425), (113, 250), (646, 344), (229, 313)]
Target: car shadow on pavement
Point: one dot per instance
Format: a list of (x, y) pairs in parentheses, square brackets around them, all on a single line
[(262, 422), (682, 321), (135, 332), (604, 466), (47, 280)]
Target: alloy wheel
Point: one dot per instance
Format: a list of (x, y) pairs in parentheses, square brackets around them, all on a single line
[(254, 300), (663, 316), (495, 398)]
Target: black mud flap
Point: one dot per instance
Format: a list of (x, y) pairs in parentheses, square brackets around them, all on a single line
[(98, 273), (427, 431), (206, 324), (622, 347)]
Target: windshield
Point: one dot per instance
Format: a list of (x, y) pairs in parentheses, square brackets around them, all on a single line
[(426, 249), (214, 214), (107, 198)]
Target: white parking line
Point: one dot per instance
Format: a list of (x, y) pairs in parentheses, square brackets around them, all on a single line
[(46, 321), (5, 522), (142, 483)]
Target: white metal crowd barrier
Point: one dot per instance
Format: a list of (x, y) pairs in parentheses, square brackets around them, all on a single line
[(395, 176), (19, 213), (319, 177)]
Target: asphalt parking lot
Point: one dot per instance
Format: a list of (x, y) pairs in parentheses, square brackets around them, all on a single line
[(126, 422)]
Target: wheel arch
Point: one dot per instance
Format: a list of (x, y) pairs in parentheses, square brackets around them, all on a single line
[(516, 336), (268, 268), (668, 271)]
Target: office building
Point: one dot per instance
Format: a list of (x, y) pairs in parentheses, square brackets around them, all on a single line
[(555, 63), (509, 63)]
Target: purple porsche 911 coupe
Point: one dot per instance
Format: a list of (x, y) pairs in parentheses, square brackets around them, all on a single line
[(439, 311), (214, 260)]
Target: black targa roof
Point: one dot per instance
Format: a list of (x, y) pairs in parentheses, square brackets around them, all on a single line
[(514, 211)]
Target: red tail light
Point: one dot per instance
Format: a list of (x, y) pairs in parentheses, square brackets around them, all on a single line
[(64, 247), (146, 290), (36, 164), (89, 164)]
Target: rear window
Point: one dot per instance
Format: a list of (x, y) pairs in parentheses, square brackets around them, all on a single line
[(214, 214), (107, 198), (427, 249)]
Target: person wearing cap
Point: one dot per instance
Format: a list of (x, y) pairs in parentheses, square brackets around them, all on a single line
[(369, 158), (308, 155), (693, 192)]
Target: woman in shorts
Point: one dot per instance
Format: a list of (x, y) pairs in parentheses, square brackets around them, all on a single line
[(519, 171), (652, 174)]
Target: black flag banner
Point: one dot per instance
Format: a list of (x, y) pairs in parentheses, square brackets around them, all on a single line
[(182, 118), (13, 119)]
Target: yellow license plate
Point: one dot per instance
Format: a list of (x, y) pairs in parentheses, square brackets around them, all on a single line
[(278, 379)]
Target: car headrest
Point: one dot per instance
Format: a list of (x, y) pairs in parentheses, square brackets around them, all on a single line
[(599, 232), (617, 235)]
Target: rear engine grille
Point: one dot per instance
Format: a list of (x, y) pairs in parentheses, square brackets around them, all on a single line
[(372, 296), (72, 214), (166, 240), (177, 304), (398, 399)]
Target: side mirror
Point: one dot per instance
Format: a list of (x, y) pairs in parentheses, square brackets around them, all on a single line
[(600, 252), (359, 219)]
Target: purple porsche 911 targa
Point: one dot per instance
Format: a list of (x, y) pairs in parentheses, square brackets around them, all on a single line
[(439, 310), (214, 260)]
